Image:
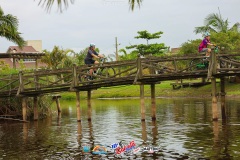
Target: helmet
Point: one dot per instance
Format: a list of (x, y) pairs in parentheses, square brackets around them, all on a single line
[(92, 45), (206, 34)]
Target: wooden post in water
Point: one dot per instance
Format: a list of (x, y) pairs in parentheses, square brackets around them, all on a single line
[(35, 103), (142, 102), (89, 105), (58, 104), (24, 108), (78, 106), (223, 105), (153, 101)]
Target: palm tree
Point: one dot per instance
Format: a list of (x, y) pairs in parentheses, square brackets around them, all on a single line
[(64, 3), (56, 58), (215, 23), (9, 28)]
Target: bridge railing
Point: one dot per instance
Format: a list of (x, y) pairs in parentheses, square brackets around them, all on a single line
[(9, 84), (41, 80), (107, 72), (228, 63)]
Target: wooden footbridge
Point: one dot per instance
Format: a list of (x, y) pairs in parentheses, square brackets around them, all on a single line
[(142, 71)]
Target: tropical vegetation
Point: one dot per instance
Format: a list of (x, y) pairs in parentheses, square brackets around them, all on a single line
[(214, 23), (221, 34), (57, 58), (9, 28)]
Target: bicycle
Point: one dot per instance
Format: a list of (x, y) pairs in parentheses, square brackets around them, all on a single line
[(105, 72), (203, 63)]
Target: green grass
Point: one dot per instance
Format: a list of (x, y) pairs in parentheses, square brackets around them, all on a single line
[(162, 90)]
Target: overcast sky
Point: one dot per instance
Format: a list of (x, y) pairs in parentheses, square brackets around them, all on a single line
[(100, 21)]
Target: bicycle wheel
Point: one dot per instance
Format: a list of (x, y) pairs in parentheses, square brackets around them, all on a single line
[(224, 64), (107, 72), (198, 64)]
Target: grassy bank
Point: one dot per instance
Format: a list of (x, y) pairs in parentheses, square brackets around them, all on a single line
[(162, 90)]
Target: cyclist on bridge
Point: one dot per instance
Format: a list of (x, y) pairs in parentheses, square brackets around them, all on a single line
[(89, 59), (203, 47)]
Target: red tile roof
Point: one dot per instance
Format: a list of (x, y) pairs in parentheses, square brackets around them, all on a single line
[(25, 49)]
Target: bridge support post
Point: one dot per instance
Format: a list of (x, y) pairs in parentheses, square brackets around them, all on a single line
[(153, 101), (78, 106), (89, 105), (142, 102), (223, 104), (214, 100), (58, 105), (35, 103), (24, 108)]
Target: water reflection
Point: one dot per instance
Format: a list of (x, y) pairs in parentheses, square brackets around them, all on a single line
[(144, 132), (25, 132), (79, 133), (216, 140), (154, 133), (183, 130)]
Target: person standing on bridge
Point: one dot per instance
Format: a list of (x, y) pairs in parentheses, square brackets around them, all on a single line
[(89, 59), (203, 47)]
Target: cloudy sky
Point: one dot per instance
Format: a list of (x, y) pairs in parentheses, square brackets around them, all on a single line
[(100, 21)]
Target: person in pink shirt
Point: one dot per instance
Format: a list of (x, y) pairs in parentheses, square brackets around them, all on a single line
[(203, 47)]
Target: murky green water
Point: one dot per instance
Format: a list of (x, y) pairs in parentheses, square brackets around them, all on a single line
[(183, 130)]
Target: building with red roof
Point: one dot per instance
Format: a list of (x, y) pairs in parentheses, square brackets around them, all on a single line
[(26, 56)]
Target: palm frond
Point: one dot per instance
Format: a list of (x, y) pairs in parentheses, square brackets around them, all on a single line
[(9, 28), (132, 3), (216, 22), (201, 29), (12, 36), (47, 4), (235, 27)]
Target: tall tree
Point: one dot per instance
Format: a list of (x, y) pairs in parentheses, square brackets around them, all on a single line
[(148, 36), (215, 23), (65, 3), (146, 49), (9, 28)]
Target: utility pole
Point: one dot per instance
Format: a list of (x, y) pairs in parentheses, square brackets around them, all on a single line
[(116, 49)]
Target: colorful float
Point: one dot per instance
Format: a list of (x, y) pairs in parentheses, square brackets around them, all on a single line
[(99, 150)]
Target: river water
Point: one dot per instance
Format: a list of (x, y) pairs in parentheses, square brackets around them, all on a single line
[(183, 130)]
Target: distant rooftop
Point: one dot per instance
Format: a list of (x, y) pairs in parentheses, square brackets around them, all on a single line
[(25, 49)]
